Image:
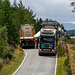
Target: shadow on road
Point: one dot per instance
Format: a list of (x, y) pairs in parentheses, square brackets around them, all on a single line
[(43, 55), (48, 55), (29, 47)]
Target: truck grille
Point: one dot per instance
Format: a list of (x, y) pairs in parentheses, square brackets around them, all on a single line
[(46, 45), (46, 50)]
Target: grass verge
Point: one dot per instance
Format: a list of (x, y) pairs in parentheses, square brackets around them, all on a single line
[(71, 57), (8, 69), (61, 59)]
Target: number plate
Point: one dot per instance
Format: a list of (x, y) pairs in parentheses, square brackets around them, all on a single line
[(46, 49), (26, 43)]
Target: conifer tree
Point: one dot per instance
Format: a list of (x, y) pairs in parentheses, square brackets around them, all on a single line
[(3, 39), (21, 13), (38, 25), (1, 13), (8, 21)]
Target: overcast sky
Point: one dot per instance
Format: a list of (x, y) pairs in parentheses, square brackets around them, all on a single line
[(59, 10)]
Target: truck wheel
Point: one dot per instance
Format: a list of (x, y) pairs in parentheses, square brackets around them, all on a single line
[(39, 54), (54, 54)]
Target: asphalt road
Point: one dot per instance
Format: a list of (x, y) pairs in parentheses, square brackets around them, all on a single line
[(37, 65)]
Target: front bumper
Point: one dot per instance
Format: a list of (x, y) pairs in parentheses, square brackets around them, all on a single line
[(46, 52), (23, 44)]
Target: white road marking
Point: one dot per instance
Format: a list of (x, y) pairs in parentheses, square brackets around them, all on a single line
[(21, 63), (55, 72)]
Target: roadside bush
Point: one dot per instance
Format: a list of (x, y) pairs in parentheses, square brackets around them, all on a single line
[(12, 49), (67, 66), (70, 41), (63, 39), (73, 47), (61, 50), (7, 53), (59, 39), (10, 55), (66, 62), (1, 65), (6, 61), (73, 56), (68, 37)]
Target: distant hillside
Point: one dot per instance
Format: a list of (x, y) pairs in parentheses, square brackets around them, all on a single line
[(70, 32), (69, 26)]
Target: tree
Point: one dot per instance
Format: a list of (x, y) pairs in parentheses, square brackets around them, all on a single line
[(63, 27), (3, 39), (29, 16), (13, 16), (14, 3), (73, 5), (21, 13), (7, 18), (38, 25), (1, 13), (72, 34)]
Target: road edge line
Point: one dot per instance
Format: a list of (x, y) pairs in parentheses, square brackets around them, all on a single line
[(55, 72), (25, 55)]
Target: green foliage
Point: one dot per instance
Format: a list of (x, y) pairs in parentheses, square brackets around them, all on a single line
[(73, 5), (68, 37), (3, 39), (61, 50), (11, 17), (70, 41), (73, 47), (7, 53), (67, 66), (59, 40), (13, 64), (38, 25), (1, 13), (61, 57), (72, 34), (63, 27), (66, 62), (74, 55), (1, 65)]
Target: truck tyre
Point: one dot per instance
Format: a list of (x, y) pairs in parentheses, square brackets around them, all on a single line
[(39, 54), (54, 54)]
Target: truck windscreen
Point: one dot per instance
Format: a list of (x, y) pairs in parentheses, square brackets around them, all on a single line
[(47, 39)]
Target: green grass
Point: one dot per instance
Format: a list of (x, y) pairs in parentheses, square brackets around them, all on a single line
[(74, 47), (70, 41), (59, 40), (8, 69), (71, 58), (60, 66), (61, 58)]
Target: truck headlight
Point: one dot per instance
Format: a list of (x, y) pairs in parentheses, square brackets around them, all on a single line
[(20, 41), (53, 50), (40, 49)]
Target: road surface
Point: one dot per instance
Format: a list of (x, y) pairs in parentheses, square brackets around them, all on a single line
[(37, 65)]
